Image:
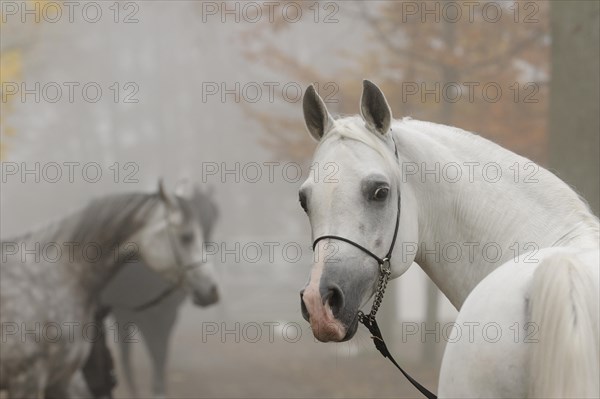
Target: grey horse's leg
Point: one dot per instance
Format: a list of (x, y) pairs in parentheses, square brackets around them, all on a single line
[(125, 348), (156, 327), (123, 320)]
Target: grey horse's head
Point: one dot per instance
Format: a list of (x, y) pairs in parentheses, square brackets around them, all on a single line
[(172, 244), (200, 206)]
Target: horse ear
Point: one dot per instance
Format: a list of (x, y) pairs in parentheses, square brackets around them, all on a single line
[(317, 118), (374, 108), (184, 188), (163, 195)]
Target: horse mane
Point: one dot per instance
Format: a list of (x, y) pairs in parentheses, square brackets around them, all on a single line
[(112, 219), (552, 193), (555, 195), (105, 221)]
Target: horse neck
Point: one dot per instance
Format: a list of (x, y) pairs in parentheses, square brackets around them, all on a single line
[(97, 239), (478, 215)]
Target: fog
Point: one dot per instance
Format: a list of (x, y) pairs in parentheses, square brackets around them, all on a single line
[(110, 97)]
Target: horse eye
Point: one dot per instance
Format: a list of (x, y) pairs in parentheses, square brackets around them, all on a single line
[(381, 193), (303, 202)]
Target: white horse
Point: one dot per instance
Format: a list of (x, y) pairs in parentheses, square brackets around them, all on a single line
[(510, 245), (51, 281)]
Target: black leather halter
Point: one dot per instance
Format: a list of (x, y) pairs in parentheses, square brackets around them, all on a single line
[(384, 263), (384, 275), (181, 270)]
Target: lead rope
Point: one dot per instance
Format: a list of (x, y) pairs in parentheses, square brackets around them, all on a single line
[(371, 324)]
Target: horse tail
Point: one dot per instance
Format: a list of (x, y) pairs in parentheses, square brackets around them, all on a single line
[(564, 306)]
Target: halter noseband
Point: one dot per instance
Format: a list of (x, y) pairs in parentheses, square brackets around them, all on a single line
[(384, 266), (384, 263)]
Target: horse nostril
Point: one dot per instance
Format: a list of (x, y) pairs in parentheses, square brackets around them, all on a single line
[(335, 297), (305, 313)]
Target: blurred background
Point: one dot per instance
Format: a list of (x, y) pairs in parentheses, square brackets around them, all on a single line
[(211, 92)]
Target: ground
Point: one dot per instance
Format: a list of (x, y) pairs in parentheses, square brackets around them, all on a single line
[(206, 361)]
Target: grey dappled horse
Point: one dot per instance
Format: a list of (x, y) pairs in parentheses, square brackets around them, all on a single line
[(50, 281), (156, 323)]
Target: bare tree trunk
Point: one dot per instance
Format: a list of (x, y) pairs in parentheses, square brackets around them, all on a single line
[(575, 97)]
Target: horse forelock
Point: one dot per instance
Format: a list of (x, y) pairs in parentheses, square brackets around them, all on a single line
[(354, 128)]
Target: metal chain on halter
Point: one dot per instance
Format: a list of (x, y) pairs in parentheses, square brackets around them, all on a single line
[(384, 277), (371, 324)]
